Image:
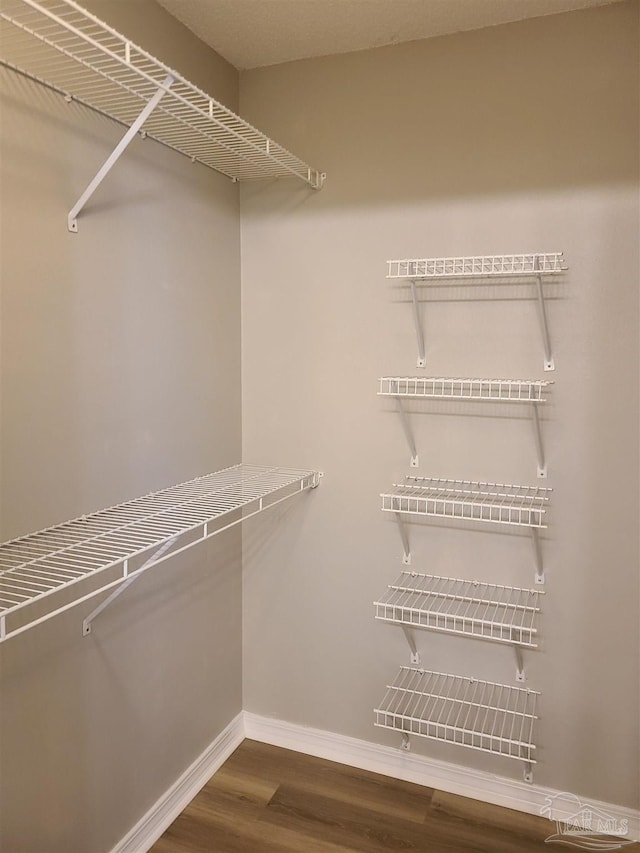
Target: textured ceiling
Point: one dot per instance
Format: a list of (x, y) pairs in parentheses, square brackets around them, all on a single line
[(253, 33)]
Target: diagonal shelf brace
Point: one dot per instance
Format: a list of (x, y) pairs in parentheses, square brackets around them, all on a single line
[(548, 357), (418, 325), (537, 551), (542, 462), (406, 557), (72, 218), (520, 676), (415, 654), (408, 433), (86, 624)]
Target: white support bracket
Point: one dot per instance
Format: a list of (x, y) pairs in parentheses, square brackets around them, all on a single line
[(548, 357), (418, 325), (86, 624), (520, 676), (542, 462), (415, 655), (528, 772), (408, 434), (406, 742), (72, 218), (537, 552), (406, 557)]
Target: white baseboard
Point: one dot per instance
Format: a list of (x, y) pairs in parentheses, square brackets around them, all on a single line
[(167, 808), (452, 778)]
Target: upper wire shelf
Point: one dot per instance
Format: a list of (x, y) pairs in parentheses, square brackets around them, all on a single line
[(448, 388), (114, 545), (533, 264), (470, 608), (477, 714), (477, 266), (467, 499), (60, 44)]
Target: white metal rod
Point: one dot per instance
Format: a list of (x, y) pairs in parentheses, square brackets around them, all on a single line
[(549, 365), (86, 624), (72, 219), (542, 465), (418, 326), (407, 432), (406, 559), (537, 550)]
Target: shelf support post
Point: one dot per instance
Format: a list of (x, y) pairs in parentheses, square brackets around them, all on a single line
[(520, 676), (528, 772), (408, 434), (548, 357), (86, 624), (72, 218), (537, 550), (406, 557), (542, 463), (406, 742), (415, 655), (418, 326)]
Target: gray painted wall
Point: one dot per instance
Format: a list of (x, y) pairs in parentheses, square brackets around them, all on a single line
[(120, 375), (516, 138)]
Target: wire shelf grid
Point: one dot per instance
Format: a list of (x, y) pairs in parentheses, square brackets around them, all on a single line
[(477, 266), (60, 44), (499, 503), (477, 714), (35, 567), (455, 388), (471, 608)]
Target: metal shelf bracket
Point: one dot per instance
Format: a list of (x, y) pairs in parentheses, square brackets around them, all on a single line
[(72, 218), (528, 772), (537, 551), (418, 326), (542, 462), (406, 557), (520, 676), (406, 743), (86, 623), (415, 462), (548, 357), (415, 654)]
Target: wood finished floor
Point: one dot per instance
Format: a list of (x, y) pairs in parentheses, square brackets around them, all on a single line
[(270, 800)]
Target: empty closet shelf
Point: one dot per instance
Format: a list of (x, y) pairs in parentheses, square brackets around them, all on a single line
[(450, 388), (469, 500), (60, 44), (473, 609), (477, 266), (465, 711), (81, 558)]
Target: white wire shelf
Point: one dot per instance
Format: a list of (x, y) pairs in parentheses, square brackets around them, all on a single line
[(470, 500), (466, 390), (477, 266), (60, 44), (81, 557), (468, 712), (534, 265), (455, 388), (486, 611)]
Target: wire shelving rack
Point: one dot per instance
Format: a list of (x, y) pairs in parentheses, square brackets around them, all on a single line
[(470, 500), (487, 611), (481, 267), (61, 45), (479, 715), (47, 572), (531, 391)]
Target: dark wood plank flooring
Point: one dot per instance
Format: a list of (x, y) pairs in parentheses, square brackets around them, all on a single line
[(270, 800)]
